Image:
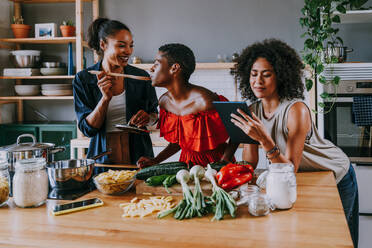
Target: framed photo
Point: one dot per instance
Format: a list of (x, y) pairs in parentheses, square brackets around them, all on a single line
[(45, 30)]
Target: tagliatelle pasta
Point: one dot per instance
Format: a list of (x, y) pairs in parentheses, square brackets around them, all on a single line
[(145, 207), (115, 181), (115, 176)]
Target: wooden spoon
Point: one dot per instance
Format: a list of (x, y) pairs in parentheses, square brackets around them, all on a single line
[(122, 75)]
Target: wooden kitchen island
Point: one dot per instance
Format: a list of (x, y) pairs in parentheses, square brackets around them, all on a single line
[(316, 220)]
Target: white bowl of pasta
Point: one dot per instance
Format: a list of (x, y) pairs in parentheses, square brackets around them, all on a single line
[(115, 182)]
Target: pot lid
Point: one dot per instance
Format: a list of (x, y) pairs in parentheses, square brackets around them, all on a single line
[(19, 147)]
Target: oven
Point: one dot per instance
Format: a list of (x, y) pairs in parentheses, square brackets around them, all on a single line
[(339, 123), (339, 127)]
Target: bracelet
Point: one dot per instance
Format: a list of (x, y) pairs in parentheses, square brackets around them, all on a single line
[(274, 149), (275, 156)]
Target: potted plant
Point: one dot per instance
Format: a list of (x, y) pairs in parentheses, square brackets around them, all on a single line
[(67, 29), (20, 30), (318, 17)]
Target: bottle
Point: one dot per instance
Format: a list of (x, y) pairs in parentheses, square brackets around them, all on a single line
[(30, 183), (4, 182)]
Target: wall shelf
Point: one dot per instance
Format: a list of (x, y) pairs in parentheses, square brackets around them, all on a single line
[(356, 16), (39, 77), (55, 40), (48, 1), (36, 98), (199, 66)]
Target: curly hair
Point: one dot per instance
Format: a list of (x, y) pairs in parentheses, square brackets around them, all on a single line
[(285, 61), (182, 55)]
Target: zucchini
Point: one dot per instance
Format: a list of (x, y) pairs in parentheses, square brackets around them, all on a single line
[(156, 180), (170, 168), (169, 181), (218, 165)]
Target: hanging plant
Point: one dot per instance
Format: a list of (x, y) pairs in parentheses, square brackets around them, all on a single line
[(318, 17)]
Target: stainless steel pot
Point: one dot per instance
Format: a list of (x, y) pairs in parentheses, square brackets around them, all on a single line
[(340, 52), (71, 174), (20, 151)]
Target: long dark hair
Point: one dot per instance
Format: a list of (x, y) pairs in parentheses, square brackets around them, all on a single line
[(100, 29)]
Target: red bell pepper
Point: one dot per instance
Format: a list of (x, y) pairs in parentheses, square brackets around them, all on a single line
[(233, 175), (237, 181)]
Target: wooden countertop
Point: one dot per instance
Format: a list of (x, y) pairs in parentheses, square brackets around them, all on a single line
[(316, 220)]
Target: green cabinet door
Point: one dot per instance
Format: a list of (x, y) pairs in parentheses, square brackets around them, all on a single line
[(60, 135), (10, 132)]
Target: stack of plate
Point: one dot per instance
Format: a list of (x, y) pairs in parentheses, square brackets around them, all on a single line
[(56, 89), (27, 90), (349, 71)]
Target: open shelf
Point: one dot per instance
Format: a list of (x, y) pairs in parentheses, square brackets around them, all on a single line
[(36, 97), (356, 16), (55, 40), (47, 1), (39, 77), (199, 66)]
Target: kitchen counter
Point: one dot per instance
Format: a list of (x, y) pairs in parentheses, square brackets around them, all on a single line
[(316, 220)]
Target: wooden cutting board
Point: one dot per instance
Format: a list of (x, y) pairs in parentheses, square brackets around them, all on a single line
[(143, 188)]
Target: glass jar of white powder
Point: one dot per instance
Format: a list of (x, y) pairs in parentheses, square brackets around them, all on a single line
[(30, 183), (281, 186)]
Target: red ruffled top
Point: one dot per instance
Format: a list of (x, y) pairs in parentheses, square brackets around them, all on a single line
[(201, 136)]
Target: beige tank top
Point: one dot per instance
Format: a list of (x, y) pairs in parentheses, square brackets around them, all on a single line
[(319, 154)]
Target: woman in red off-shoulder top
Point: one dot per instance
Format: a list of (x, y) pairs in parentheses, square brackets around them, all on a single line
[(187, 120)]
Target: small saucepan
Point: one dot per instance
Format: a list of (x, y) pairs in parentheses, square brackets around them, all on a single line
[(339, 52), (72, 174), (21, 150)]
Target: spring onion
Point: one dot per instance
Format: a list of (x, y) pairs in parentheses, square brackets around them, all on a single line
[(185, 208), (197, 173), (224, 202)]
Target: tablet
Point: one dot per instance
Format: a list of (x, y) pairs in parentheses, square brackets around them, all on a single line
[(131, 129), (225, 109)]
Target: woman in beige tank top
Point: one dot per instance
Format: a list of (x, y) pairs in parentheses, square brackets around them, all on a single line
[(270, 73)]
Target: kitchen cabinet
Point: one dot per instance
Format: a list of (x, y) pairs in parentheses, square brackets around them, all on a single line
[(365, 227), (59, 133), (10, 132)]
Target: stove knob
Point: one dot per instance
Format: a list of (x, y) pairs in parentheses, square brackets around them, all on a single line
[(349, 88)]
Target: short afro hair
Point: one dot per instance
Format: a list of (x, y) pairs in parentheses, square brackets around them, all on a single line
[(285, 61), (182, 55)]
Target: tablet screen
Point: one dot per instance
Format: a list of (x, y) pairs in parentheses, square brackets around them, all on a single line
[(225, 109)]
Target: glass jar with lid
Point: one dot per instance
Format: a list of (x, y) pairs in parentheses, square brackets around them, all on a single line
[(4, 182), (259, 204), (30, 183), (281, 186)]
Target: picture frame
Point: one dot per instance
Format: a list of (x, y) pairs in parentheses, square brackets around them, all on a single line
[(45, 30)]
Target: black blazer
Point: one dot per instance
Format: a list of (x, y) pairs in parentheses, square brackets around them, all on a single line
[(139, 95)]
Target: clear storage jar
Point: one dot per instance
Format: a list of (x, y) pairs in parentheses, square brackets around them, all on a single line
[(259, 205), (30, 183), (281, 186), (4, 182)]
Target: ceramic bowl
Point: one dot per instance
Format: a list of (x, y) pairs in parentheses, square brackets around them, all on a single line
[(27, 90)]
